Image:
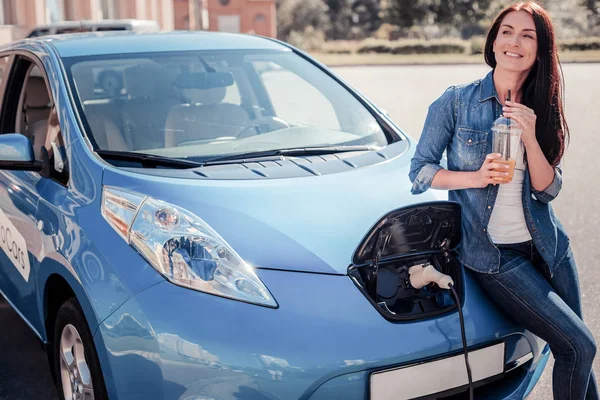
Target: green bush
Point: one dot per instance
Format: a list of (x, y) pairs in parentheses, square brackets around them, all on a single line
[(339, 46), (581, 44), (438, 46), (375, 46)]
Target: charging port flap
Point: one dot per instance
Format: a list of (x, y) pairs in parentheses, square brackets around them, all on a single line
[(423, 228), (424, 235)]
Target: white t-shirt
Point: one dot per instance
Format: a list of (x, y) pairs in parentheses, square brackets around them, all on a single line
[(507, 223)]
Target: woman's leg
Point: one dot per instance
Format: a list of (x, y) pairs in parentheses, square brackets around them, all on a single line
[(527, 296), (565, 282)]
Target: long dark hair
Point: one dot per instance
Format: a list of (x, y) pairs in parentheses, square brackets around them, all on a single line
[(543, 89)]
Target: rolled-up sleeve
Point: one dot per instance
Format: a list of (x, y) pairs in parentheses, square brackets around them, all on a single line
[(437, 133), (552, 191)]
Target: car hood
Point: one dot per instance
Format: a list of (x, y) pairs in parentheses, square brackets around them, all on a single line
[(311, 224)]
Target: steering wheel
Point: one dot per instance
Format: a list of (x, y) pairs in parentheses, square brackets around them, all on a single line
[(274, 124)]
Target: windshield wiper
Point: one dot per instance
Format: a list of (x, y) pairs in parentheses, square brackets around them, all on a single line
[(147, 160), (279, 154)]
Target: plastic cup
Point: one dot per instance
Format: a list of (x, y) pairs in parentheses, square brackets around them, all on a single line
[(506, 142)]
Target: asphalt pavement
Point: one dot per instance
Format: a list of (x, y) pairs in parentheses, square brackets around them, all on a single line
[(24, 370), (406, 92)]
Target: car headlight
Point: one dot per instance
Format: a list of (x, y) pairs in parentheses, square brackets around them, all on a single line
[(182, 247)]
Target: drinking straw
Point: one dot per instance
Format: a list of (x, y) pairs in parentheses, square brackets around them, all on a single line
[(509, 138)]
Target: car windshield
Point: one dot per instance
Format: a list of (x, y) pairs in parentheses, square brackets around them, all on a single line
[(206, 104)]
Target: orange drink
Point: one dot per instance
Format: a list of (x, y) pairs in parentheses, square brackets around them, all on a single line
[(511, 170)]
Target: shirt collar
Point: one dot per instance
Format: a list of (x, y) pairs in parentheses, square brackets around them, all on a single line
[(488, 89)]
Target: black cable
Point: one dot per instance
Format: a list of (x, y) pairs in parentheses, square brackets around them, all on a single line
[(464, 340)]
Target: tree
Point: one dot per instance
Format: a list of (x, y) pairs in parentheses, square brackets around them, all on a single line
[(593, 6), (405, 13), (366, 16), (298, 15), (340, 17), (353, 19), (462, 14)]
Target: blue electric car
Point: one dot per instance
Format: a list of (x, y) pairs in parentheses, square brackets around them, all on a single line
[(216, 216)]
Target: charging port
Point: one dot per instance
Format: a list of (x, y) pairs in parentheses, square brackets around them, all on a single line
[(420, 235)]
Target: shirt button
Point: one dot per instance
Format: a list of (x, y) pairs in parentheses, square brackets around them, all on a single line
[(470, 141), (489, 207), (484, 229)]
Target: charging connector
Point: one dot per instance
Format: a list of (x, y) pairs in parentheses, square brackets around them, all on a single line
[(424, 274)]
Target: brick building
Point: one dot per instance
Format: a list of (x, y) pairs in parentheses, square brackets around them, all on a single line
[(19, 17), (246, 16)]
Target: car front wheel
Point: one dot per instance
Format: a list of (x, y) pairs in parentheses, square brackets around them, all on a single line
[(76, 363)]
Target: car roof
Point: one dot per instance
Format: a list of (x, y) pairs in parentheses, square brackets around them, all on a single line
[(103, 22), (101, 43)]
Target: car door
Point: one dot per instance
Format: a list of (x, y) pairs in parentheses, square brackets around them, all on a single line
[(26, 107)]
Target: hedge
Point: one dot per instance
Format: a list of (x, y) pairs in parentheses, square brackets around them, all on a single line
[(435, 46), (581, 44), (441, 46)]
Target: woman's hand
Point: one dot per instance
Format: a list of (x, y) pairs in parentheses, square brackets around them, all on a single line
[(490, 171), (525, 116)]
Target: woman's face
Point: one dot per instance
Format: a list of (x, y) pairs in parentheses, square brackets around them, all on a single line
[(516, 46)]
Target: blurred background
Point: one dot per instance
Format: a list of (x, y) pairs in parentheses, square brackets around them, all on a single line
[(454, 29), (18, 18), (338, 32)]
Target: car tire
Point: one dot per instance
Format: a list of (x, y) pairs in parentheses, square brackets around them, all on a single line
[(76, 366)]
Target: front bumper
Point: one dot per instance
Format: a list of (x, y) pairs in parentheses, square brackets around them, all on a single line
[(323, 342)]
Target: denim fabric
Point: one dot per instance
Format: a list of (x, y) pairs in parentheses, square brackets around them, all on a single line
[(551, 309), (460, 122)]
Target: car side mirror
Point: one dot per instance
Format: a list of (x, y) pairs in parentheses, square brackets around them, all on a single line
[(16, 153)]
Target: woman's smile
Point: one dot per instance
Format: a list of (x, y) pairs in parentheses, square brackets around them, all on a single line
[(516, 43)]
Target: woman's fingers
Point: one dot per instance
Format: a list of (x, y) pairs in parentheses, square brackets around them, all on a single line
[(491, 157), (521, 119), (523, 114), (498, 174), (497, 166), (512, 104)]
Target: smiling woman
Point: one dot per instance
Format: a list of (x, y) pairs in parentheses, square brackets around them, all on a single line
[(512, 240)]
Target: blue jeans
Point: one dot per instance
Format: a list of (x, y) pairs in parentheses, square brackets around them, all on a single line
[(549, 307)]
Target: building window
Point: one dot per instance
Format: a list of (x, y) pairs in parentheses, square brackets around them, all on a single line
[(260, 18), (3, 70), (229, 23), (7, 13), (224, 2), (110, 9), (55, 10)]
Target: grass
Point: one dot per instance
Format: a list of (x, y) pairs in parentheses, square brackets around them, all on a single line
[(334, 60)]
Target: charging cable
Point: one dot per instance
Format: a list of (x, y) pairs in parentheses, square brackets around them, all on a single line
[(424, 274)]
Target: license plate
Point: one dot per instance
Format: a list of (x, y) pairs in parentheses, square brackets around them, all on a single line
[(436, 376)]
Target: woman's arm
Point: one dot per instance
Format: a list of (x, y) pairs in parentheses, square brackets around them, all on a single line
[(437, 133), (546, 180), (456, 180), (425, 168), (540, 170)]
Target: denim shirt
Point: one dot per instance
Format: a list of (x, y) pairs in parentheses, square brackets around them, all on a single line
[(460, 122)]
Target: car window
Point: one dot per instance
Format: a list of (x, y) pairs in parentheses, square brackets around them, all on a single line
[(29, 110), (202, 104), (3, 67), (286, 90)]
